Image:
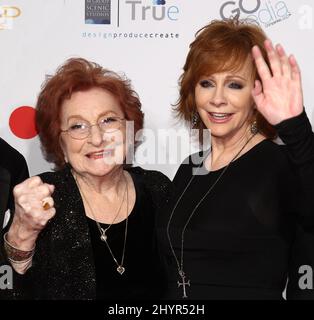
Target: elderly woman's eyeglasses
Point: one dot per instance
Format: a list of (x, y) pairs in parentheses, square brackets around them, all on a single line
[(82, 130)]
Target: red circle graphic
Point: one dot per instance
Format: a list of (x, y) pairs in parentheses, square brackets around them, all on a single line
[(22, 122)]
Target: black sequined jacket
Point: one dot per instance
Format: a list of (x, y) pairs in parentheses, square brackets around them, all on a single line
[(63, 265)]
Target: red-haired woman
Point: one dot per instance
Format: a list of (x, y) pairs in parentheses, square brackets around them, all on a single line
[(86, 231), (230, 232)]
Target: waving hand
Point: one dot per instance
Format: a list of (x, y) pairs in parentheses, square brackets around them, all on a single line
[(279, 94)]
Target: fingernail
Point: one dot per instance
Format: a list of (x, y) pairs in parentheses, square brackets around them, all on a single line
[(269, 43)]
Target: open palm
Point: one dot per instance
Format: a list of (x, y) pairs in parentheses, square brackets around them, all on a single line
[(279, 94)]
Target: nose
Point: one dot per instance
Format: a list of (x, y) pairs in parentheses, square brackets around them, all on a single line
[(95, 137), (218, 98)]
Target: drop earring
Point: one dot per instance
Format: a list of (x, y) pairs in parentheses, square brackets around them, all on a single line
[(195, 118), (254, 128)]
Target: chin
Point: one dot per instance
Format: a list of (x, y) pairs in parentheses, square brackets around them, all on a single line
[(219, 132), (101, 170)]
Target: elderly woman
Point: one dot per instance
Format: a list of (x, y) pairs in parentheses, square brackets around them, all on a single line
[(86, 231), (230, 233)]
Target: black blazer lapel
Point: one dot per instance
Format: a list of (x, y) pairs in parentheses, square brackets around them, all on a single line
[(5, 180)]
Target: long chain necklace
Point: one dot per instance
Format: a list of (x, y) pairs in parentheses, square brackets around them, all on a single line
[(180, 264), (103, 236)]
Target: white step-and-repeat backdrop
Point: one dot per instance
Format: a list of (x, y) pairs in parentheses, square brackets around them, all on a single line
[(145, 39)]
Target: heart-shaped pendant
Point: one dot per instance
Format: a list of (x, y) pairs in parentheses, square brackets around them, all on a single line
[(120, 269)]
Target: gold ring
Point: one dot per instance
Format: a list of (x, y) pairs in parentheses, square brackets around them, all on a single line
[(46, 205)]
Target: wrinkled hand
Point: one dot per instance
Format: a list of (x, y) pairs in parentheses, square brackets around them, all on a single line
[(30, 216), (279, 96)]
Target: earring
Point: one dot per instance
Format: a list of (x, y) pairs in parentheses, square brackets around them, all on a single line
[(254, 128), (195, 118)]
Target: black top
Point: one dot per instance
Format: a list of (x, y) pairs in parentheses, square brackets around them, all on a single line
[(238, 243), (64, 261), (13, 170), (142, 278)]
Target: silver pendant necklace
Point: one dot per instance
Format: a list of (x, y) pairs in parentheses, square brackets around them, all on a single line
[(103, 236), (180, 265)]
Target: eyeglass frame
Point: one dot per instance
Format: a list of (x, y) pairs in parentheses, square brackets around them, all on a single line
[(95, 124)]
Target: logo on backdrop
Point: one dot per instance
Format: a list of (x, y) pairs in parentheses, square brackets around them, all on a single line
[(101, 11), (161, 2), (98, 11), (129, 13), (264, 13), (7, 16), (159, 11)]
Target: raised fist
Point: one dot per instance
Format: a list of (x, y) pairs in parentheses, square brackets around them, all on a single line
[(34, 207)]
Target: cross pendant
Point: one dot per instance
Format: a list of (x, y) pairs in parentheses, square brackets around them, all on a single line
[(183, 284)]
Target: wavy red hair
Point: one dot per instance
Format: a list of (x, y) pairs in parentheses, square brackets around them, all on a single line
[(222, 45), (78, 74)]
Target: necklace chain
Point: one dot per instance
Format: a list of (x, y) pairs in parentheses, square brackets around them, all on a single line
[(120, 267), (103, 236), (180, 264), (103, 231)]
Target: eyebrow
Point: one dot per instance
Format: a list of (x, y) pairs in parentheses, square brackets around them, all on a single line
[(77, 116), (236, 76), (230, 76)]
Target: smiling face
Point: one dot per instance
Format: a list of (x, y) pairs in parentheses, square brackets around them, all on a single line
[(224, 101), (99, 153)]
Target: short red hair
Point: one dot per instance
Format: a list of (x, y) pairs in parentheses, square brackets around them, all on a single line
[(222, 45), (74, 75)]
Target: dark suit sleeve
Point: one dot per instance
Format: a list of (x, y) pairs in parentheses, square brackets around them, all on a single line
[(14, 162), (19, 173), (18, 170), (5, 182)]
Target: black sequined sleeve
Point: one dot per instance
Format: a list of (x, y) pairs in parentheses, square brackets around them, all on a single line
[(159, 185)]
